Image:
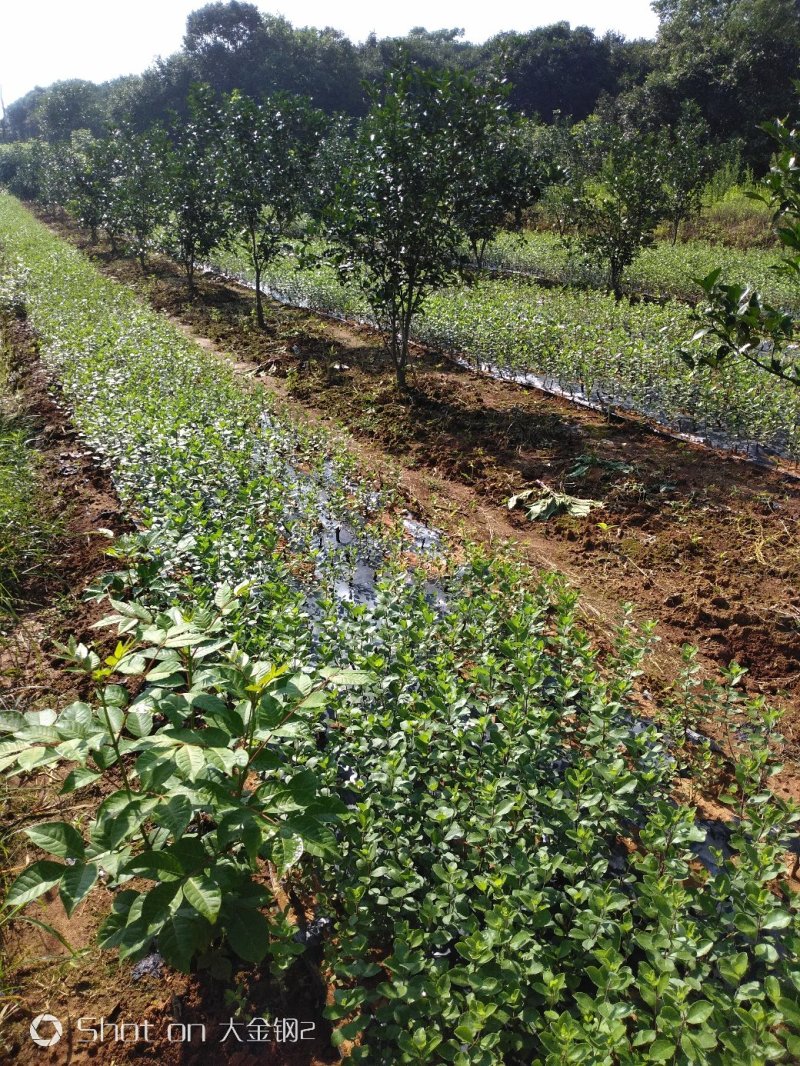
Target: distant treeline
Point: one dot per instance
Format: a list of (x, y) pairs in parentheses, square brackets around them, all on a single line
[(736, 59)]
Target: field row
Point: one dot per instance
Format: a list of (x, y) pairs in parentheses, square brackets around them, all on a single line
[(488, 833), (581, 343), (661, 270)]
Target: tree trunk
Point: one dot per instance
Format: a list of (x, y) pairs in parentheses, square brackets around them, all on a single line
[(400, 371), (676, 223), (616, 281), (262, 323)]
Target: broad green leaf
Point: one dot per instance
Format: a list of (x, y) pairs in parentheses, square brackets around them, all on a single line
[(79, 778), (34, 882), (661, 1050), (204, 895), (286, 852), (76, 883), (179, 940), (699, 1012), (190, 761), (139, 722), (58, 838), (174, 815), (247, 931)]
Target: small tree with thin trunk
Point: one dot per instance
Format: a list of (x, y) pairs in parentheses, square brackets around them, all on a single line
[(398, 221), (688, 158), (269, 154), (621, 199), (194, 183), (138, 204), (501, 176)]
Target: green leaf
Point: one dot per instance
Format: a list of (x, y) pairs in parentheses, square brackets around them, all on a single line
[(353, 678), (79, 778), (174, 815), (745, 924), (778, 919), (155, 865), (247, 931), (140, 722), (76, 883), (58, 838), (205, 896), (734, 967), (660, 1050), (34, 882), (699, 1012), (287, 850), (190, 761), (179, 940), (790, 1011)]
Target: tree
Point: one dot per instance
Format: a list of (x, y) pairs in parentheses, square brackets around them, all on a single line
[(396, 224), (736, 318), (735, 58), (501, 178), (269, 154), (137, 208), (554, 69), (197, 217), (687, 158), (89, 173), (619, 198)]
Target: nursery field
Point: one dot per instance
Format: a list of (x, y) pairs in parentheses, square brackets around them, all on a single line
[(580, 343), (662, 270), (328, 742)]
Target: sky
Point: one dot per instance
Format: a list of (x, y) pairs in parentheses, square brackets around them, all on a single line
[(51, 40)]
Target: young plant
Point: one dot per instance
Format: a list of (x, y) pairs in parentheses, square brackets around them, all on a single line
[(737, 319), (414, 194), (201, 791), (269, 156)]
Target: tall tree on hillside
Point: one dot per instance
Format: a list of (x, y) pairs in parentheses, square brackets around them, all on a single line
[(735, 58), (269, 152), (554, 69)]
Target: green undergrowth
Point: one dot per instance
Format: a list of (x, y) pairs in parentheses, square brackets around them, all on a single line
[(487, 835), (660, 270), (582, 342), (28, 526)]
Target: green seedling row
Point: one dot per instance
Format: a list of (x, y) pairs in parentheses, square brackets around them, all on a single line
[(662, 270), (462, 789), (581, 343)]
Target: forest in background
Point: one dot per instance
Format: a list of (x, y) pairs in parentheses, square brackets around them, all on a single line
[(735, 59)]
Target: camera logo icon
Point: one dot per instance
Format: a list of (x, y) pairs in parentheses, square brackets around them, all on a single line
[(46, 1020)]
